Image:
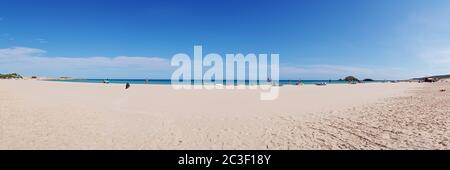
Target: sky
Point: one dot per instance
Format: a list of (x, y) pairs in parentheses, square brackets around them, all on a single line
[(316, 39)]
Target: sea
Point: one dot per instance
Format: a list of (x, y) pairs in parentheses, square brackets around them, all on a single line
[(236, 82)]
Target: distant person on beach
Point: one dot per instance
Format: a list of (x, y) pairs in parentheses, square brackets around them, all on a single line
[(299, 82), (127, 85)]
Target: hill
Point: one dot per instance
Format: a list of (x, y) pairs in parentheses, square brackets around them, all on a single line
[(434, 77)]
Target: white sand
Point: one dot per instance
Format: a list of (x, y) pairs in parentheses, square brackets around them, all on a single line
[(61, 115)]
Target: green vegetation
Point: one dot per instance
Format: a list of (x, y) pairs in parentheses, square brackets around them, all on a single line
[(10, 76)]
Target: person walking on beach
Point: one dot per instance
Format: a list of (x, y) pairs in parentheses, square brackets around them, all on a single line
[(127, 85), (299, 82)]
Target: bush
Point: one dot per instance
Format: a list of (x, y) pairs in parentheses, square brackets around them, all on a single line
[(10, 76)]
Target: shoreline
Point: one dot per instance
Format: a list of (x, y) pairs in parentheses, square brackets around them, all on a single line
[(224, 82)]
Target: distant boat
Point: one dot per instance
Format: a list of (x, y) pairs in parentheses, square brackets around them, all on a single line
[(321, 84)]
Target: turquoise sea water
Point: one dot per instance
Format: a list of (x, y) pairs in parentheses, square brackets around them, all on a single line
[(168, 81)]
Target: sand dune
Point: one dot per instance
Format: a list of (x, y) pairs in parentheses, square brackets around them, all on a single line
[(61, 115)]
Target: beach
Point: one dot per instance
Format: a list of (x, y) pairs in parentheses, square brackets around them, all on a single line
[(68, 115)]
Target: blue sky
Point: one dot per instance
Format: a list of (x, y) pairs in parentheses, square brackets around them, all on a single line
[(316, 39)]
